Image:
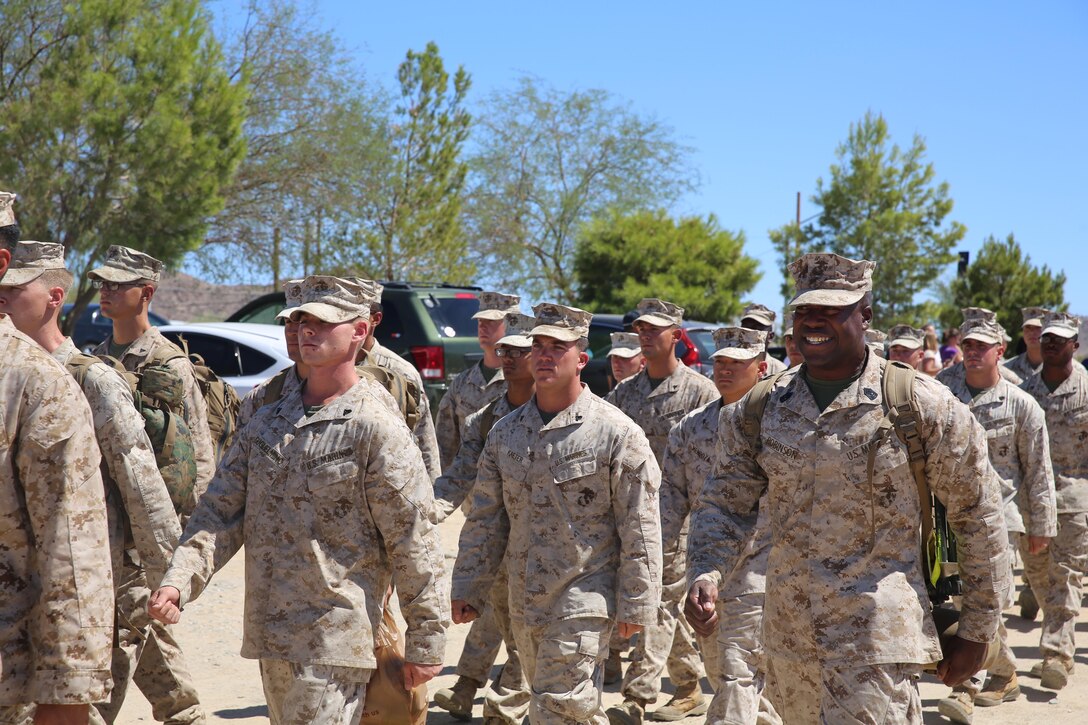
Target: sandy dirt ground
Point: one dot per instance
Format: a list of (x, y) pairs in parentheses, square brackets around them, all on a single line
[(230, 687)]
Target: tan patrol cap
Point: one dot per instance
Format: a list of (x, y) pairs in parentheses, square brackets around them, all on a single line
[(292, 293), (875, 339), (977, 313), (372, 289), (983, 330), (332, 299), (1033, 316), (829, 280), (1061, 324), (760, 313), (127, 265), (7, 208), (496, 305), (624, 344), (659, 312), (518, 326), (787, 325), (738, 343), (30, 260), (561, 322), (906, 336)]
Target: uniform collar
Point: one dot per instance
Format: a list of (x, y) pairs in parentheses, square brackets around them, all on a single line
[(574, 414), (345, 407), (866, 390), (65, 352), (667, 386)]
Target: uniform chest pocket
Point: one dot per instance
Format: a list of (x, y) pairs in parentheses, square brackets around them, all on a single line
[(1077, 416), (333, 480), (513, 465), (580, 494)]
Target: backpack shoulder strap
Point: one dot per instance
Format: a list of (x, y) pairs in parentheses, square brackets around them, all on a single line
[(487, 418), (79, 365), (754, 406), (274, 389)]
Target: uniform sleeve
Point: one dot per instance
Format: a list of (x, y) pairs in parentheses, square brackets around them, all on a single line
[(427, 439), (675, 506), (251, 403), (1036, 497), (130, 460), (196, 417), (448, 431), (71, 626), (636, 484), (727, 511), (215, 532), (959, 473), (398, 491), (453, 486), (483, 538)]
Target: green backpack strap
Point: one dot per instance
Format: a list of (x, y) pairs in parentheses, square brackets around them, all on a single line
[(755, 404), (487, 418), (274, 389)]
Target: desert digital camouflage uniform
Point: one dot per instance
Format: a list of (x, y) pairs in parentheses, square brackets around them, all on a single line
[(1067, 423), (572, 505), (670, 644), (845, 594), (255, 399), (56, 593), (1033, 316), (765, 316), (956, 374), (340, 498)]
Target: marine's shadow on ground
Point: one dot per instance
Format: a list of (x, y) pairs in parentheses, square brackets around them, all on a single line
[(241, 713)]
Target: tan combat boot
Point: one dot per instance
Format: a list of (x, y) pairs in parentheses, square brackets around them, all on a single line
[(613, 667), (1055, 673), (629, 712), (687, 702), (958, 707), (997, 691), (1029, 606), (459, 698)]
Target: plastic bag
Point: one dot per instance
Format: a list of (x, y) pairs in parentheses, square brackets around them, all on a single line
[(387, 702)]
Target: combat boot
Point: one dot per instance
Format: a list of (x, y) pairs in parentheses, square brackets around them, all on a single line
[(613, 667), (957, 707), (688, 701), (1055, 673), (997, 691), (629, 712), (1029, 605), (459, 698)]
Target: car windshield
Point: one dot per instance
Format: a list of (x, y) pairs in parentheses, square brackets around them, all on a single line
[(453, 315)]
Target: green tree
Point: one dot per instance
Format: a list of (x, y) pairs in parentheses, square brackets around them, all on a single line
[(411, 227), (119, 125), (690, 261), (881, 203), (1003, 279), (546, 163)]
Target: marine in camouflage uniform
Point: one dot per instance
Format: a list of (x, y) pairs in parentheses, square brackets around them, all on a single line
[(956, 373), (761, 318), (847, 626), (1016, 437), (56, 593), (162, 673), (732, 654), (656, 399), (1032, 329), (480, 384), (1066, 408), (144, 528), (508, 699), (569, 498), (338, 495)]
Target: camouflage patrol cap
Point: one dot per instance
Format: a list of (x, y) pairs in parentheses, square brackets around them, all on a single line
[(624, 344), (787, 325), (496, 305), (978, 313), (875, 340), (828, 280), (561, 322), (983, 330), (518, 326), (30, 260), (1061, 324), (7, 210), (760, 313), (292, 293), (906, 336), (127, 265), (739, 343), (1033, 316), (373, 289), (332, 299), (659, 312)]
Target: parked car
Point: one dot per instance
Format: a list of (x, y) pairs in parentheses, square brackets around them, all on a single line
[(693, 352), (430, 326), (93, 327), (243, 354)]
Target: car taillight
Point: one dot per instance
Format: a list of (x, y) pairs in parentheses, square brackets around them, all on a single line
[(431, 361)]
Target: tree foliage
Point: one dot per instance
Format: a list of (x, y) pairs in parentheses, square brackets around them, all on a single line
[(119, 125), (546, 163), (1003, 279), (690, 261), (882, 203)]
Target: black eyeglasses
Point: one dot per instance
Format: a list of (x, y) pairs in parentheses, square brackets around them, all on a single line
[(514, 353), (113, 286)]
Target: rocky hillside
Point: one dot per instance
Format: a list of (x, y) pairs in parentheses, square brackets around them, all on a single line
[(185, 298)]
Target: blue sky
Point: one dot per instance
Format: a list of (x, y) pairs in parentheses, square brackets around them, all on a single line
[(764, 92)]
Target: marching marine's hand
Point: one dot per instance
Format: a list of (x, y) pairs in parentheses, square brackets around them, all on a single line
[(61, 714), (163, 605), (700, 607), (962, 658), (416, 675), (1038, 544), (463, 612), (628, 630)]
